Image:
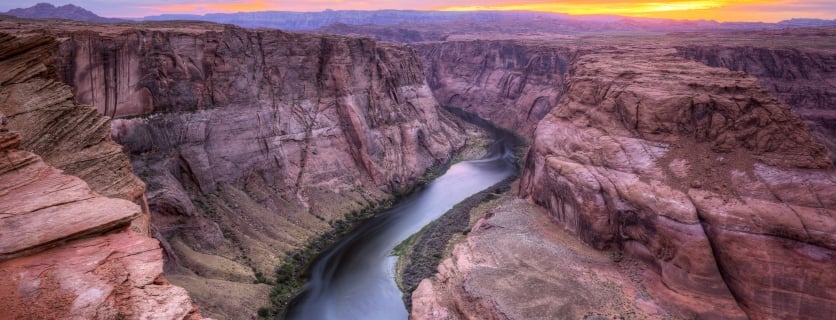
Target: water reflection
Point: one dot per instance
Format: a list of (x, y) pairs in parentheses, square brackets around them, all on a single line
[(354, 278)]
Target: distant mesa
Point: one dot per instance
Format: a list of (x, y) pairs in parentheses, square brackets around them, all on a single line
[(67, 12), (411, 21)]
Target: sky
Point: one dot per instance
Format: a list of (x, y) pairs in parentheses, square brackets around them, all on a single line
[(720, 10)]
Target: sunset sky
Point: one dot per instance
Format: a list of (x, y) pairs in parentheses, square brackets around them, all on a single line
[(720, 10)]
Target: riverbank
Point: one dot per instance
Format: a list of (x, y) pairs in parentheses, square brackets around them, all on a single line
[(420, 254), (293, 273)]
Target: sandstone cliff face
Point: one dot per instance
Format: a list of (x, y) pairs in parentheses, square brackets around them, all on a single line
[(699, 172), (67, 248), (511, 83), (71, 137), (252, 142), (805, 79)]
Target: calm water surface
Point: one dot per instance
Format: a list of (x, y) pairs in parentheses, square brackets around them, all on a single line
[(354, 279)]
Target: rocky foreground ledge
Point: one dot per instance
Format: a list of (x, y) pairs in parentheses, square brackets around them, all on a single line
[(73, 232), (697, 172)]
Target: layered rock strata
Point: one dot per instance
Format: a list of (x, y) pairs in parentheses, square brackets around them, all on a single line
[(699, 172), (512, 83), (254, 141), (803, 78), (67, 250), (69, 136)]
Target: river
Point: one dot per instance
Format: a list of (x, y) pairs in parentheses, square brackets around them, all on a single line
[(354, 279)]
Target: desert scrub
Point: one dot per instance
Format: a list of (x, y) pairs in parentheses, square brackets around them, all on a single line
[(421, 253), (291, 275)]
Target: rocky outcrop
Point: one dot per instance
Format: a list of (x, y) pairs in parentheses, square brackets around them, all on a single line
[(254, 141), (515, 264), (69, 136), (803, 78), (699, 172), (511, 83), (67, 250)]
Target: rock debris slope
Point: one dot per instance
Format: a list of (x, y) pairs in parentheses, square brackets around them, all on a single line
[(699, 172), (254, 141), (67, 250)]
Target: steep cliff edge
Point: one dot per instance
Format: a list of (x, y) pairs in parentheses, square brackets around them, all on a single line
[(252, 142), (511, 83), (515, 264), (69, 136), (67, 245), (803, 78), (699, 172)]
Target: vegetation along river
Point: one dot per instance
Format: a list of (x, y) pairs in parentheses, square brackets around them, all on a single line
[(354, 279)]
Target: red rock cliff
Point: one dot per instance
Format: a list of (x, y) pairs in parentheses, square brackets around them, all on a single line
[(67, 248), (804, 78), (254, 141), (511, 83), (699, 172)]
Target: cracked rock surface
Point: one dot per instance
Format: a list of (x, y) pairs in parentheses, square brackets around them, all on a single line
[(253, 142), (699, 172), (67, 250)]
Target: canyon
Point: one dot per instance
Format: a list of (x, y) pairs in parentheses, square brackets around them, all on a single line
[(75, 240), (801, 77), (254, 142), (667, 176), (670, 163), (657, 155)]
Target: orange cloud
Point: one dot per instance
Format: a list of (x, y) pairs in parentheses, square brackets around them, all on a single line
[(243, 6), (720, 10)]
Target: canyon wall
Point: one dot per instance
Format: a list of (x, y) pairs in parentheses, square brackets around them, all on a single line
[(804, 78), (252, 142), (700, 173), (511, 83), (73, 230)]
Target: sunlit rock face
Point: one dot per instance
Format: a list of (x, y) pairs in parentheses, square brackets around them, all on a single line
[(73, 232), (254, 141), (699, 172), (803, 78)]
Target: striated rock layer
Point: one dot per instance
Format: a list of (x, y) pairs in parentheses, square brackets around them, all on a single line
[(67, 250), (803, 78), (69, 136), (699, 172), (511, 83), (254, 141)]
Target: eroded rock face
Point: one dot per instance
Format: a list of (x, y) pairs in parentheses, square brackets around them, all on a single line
[(511, 83), (803, 78), (699, 172), (67, 251), (254, 141), (69, 136), (515, 264)]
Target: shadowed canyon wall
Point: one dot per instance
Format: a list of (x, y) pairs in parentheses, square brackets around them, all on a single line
[(803, 78), (511, 83), (253, 141), (73, 223)]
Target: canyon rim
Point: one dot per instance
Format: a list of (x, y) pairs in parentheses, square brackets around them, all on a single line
[(190, 167)]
